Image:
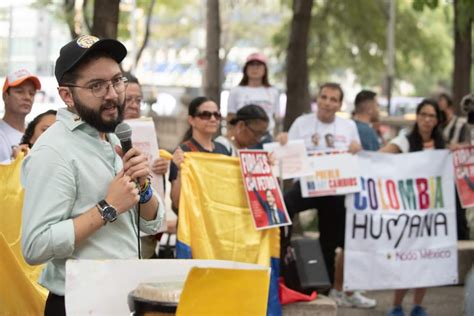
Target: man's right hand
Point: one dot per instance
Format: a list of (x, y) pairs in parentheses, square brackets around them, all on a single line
[(123, 193)]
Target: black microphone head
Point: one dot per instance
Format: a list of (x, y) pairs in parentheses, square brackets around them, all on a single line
[(123, 131)]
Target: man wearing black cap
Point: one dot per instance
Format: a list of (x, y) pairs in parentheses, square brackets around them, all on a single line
[(80, 194)]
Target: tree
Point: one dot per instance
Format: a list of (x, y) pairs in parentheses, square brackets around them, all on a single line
[(463, 17), (101, 18), (212, 81), (106, 18), (462, 55), (349, 37), (298, 99)]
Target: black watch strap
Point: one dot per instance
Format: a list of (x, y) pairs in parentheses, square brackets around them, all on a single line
[(107, 211), (103, 204)]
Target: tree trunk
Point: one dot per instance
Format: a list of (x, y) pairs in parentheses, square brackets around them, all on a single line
[(70, 12), (297, 82), (462, 56), (106, 18), (212, 82), (147, 31)]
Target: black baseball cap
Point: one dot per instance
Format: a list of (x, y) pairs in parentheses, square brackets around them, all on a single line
[(75, 51)]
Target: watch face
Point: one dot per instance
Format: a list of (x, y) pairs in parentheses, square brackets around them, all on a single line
[(109, 214)]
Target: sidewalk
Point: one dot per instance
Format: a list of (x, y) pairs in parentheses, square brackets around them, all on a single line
[(439, 301)]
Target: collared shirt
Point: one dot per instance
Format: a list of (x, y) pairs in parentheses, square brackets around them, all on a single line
[(67, 172)]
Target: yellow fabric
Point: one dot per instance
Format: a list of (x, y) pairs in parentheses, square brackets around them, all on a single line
[(20, 294), (165, 154), (212, 291), (11, 200), (214, 217)]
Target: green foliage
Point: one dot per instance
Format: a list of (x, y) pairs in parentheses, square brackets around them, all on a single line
[(351, 35), (419, 5)]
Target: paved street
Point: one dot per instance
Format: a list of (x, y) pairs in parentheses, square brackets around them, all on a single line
[(440, 301)]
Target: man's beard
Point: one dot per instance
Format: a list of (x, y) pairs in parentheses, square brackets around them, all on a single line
[(94, 117)]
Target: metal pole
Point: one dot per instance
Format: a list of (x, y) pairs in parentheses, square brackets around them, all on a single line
[(133, 33), (10, 39), (390, 51)]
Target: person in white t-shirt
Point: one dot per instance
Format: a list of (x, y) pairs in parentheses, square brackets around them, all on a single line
[(254, 88), (324, 131), (19, 91)]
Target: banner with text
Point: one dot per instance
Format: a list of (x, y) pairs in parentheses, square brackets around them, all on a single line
[(463, 159), (263, 192), (401, 227), (333, 174)]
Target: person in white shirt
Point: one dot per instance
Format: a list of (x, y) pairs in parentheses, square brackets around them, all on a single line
[(454, 127), (324, 131), (254, 88), (19, 91)]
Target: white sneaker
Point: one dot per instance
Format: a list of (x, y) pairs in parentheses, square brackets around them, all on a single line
[(337, 296), (358, 300)]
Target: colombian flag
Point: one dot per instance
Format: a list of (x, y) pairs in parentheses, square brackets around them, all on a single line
[(19, 292), (215, 221)]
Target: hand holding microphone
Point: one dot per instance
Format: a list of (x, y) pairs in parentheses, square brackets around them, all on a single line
[(135, 164)]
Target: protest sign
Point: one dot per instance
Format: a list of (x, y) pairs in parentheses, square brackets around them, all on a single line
[(332, 174), (144, 139), (290, 159), (401, 227), (263, 192), (463, 160)]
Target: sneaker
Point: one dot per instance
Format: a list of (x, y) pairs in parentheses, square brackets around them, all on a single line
[(336, 296), (358, 300), (418, 311), (355, 300), (396, 311)]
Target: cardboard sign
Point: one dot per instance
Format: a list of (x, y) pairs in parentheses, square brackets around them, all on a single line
[(333, 174), (463, 160), (263, 192)]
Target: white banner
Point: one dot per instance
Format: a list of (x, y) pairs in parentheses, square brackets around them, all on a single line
[(332, 174), (401, 227)]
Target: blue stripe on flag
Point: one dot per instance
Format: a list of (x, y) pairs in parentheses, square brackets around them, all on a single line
[(183, 251), (274, 306)]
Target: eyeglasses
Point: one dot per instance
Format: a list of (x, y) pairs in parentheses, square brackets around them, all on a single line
[(260, 135), (427, 116), (206, 115), (100, 88), (136, 100)]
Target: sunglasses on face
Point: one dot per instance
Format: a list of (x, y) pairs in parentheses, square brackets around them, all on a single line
[(206, 115), (259, 135), (255, 63)]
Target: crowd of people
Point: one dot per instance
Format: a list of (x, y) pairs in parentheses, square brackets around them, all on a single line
[(98, 197)]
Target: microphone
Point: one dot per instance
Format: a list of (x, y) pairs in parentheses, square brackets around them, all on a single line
[(124, 134)]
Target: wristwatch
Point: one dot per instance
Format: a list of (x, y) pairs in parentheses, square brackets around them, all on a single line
[(107, 211)]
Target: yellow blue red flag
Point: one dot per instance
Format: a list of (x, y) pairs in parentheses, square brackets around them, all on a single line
[(215, 220)]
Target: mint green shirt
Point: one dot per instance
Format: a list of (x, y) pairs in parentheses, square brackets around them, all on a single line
[(66, 173)]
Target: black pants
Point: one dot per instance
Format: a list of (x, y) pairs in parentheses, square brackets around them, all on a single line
[(54, 305), (461, 220), (332, 222)]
